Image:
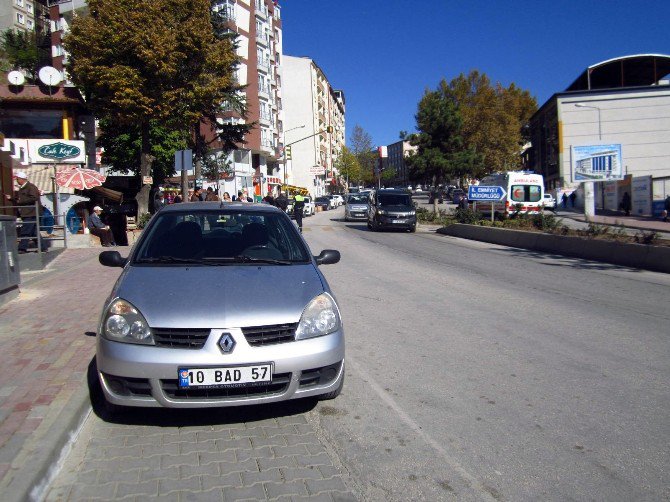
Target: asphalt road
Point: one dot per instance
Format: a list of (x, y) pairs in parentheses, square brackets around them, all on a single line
[(477, 371), (474, 372)]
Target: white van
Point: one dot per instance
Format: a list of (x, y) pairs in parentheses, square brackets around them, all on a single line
[(524, 193)]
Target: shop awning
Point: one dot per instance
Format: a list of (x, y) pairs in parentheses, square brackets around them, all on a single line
[(42, 177)]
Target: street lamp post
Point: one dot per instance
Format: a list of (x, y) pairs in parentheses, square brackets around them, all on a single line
[(285, 159), (589, 186)]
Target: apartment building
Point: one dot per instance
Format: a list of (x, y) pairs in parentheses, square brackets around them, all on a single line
[(314, 125), (23, 15), (397, 152), (258, 26)]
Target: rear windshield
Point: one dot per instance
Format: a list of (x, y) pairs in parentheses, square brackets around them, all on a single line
[(392, 199), (526, 193), (221, 234), (322, 199)]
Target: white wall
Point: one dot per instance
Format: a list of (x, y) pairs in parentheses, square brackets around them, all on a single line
[(638, 120)]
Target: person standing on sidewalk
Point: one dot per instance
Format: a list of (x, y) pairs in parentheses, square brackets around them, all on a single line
[(27, 195), (564, 200), (667, 208), (573, 197), (298, 207), (625, 203)]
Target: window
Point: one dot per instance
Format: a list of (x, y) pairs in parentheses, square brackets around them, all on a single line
[(526, 193), (29, 7), (30, 24), (19, 3), (20, 18)]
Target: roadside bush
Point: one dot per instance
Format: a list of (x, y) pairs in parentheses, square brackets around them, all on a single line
[(468, 216), (143, 220), (643, 237), (594, 230), (546, 222)]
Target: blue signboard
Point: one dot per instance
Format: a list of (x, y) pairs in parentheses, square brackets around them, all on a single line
[(487, 193)]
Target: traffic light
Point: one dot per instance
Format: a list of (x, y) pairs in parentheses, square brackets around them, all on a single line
[(329, 129), (288, 153)]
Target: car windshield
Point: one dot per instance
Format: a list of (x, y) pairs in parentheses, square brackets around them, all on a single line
[(392, 199), (221, 236), (322, 199), (357, 199)]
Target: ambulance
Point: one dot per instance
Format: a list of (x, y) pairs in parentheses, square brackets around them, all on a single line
[(524, 193)]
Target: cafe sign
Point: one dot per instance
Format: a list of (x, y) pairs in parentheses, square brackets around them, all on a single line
[(56, 151)]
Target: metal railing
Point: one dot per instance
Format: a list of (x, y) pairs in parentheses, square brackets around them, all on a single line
[(54, 231)]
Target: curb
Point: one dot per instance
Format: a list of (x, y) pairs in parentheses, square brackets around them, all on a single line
[(655, 258), (31, 480)]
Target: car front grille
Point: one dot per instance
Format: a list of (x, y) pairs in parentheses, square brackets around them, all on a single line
[(180, 338), (279, 385), (269, 335)]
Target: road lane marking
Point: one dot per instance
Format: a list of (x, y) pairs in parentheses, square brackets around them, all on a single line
[(473, 482)]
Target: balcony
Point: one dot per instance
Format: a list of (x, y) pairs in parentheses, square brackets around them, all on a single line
[(263, 39), (261, 10), (264, 91), (228, 12), (264, 65), (265, 118)]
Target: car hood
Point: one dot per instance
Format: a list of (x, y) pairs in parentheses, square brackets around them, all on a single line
[(220, 297), (398, 209)]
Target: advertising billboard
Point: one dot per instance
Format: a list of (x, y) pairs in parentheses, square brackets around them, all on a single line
[(596, 163)]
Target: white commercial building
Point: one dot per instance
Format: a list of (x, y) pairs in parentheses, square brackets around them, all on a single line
[(313, 110), (612, 122)]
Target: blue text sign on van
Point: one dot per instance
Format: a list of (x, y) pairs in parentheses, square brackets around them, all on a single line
[(487, 193)]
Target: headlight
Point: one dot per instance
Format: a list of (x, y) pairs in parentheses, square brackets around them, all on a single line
[(320, 317), (381, 211), (123, 323)]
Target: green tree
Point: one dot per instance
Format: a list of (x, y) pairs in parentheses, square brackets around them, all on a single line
[(348, 166), (24, 50), (137, 62), (122, 147), (363, 149), (441, 153)]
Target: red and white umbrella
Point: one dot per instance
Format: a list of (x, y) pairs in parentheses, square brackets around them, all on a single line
[(79, 178)]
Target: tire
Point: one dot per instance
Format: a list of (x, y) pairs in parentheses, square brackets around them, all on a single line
[(335, 393), (369, 225), (412, 229)]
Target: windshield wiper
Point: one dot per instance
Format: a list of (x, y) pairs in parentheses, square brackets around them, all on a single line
[(246, 259), (168, 259)]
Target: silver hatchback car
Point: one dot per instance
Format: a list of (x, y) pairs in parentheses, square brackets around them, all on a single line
[(219, 304)]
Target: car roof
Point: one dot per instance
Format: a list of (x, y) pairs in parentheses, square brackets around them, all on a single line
[(243, 207)]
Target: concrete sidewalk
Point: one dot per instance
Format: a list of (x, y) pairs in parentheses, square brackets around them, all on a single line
[(43, 390), (646, 223)]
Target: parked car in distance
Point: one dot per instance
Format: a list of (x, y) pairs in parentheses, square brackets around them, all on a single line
[(323, 202), (457, 194), (356, 207), (549, 201), (309, 206), (338, 199), (279, 337), (390, 208)]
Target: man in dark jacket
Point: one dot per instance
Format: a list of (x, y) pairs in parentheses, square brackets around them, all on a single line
[(282, 201), (27, 195)]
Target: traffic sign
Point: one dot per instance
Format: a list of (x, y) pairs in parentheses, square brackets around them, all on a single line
[(487, 193)]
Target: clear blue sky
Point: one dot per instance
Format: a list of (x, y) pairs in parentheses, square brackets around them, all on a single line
[(384, 54)]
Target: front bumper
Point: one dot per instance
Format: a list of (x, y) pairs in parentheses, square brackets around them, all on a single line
[(395, 221), (147, 376)]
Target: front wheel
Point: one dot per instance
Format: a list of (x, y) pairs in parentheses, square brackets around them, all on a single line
[(412, 229)]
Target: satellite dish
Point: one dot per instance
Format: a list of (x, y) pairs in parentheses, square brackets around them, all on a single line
[(50, 76), (16, 78)]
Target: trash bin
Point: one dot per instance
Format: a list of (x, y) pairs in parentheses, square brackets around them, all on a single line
[(9, 265)]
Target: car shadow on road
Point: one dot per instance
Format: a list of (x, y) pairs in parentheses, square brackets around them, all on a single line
[(170, 417)]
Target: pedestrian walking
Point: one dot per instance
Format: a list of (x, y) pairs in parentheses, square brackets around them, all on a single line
[(159, 202), (298, 207), (573, 197), (197, 196), (463, 202), (99, 229), (625, 203), (564, 200), (211, 196), (269, 199), (667, 208), (282, 201), (27, 195)]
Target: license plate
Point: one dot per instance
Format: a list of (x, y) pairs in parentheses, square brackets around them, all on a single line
[(399, 221), (233, 376)]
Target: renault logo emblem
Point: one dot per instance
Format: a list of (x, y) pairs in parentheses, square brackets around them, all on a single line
[(227, 343)]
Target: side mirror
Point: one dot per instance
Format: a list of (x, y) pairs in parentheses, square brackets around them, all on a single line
[(327, 257), (112, 259)]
